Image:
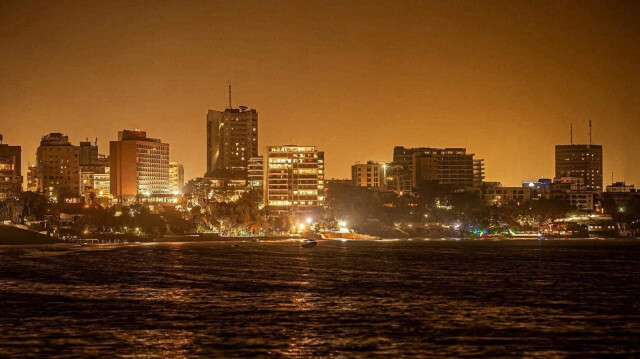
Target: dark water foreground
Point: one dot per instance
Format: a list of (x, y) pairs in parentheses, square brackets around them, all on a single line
[(345, 299)]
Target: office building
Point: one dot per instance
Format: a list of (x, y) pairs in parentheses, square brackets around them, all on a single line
[(58, 167), (294, 178), (139, 167), (232, 139), (581, 161), (453, 167)]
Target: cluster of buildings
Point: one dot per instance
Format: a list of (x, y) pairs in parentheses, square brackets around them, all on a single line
[(136, 168), (290, 177), (410, 167), (578, 176)]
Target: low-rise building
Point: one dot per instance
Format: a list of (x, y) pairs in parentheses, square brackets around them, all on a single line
[(371, 174), (495, 194), (540, 189)]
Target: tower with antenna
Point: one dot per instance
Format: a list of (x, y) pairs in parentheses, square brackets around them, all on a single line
[(571, 133), (582, 161), (232, 139)]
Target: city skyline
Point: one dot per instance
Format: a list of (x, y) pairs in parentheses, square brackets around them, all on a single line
[(357, 90)]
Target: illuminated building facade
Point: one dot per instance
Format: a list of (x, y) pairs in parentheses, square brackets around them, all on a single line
[(232, 139), (139, 167), (102, 183), (581, 161), (371, 174), (10, 170), (57, 167), (256, 172), (176, 177), (294, 178)]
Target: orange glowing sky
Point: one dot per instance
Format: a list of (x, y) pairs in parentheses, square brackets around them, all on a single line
[(503, 79)]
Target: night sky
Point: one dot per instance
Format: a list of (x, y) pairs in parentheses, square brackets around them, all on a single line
[(503, 79)]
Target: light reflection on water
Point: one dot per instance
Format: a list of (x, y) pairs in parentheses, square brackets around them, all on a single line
[(396, 298)]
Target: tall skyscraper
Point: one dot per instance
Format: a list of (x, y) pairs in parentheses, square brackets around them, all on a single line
[(294, 178), (232, 139), (581, 161), (58, 167), (10, 170), (139, 167)]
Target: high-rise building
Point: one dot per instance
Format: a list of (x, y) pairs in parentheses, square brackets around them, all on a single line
[(294, 178), (10, 170), (581, 161), (176, 177), (449, 166), (139, 167), (256, 172), (371, 174), (58, 167), (232, 139)]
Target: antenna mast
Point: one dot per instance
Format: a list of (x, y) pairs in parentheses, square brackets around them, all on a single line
[(571, 133), (589, 132), (229, 83)]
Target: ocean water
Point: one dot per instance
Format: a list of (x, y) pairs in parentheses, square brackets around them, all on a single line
[(411, 298)]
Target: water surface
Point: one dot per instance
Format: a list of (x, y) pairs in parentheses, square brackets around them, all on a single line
[(345, 299)]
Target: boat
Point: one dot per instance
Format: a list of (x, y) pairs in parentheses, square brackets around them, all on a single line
[(308, 243)]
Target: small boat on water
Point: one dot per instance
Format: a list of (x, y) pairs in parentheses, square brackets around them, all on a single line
[(308, 243)]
